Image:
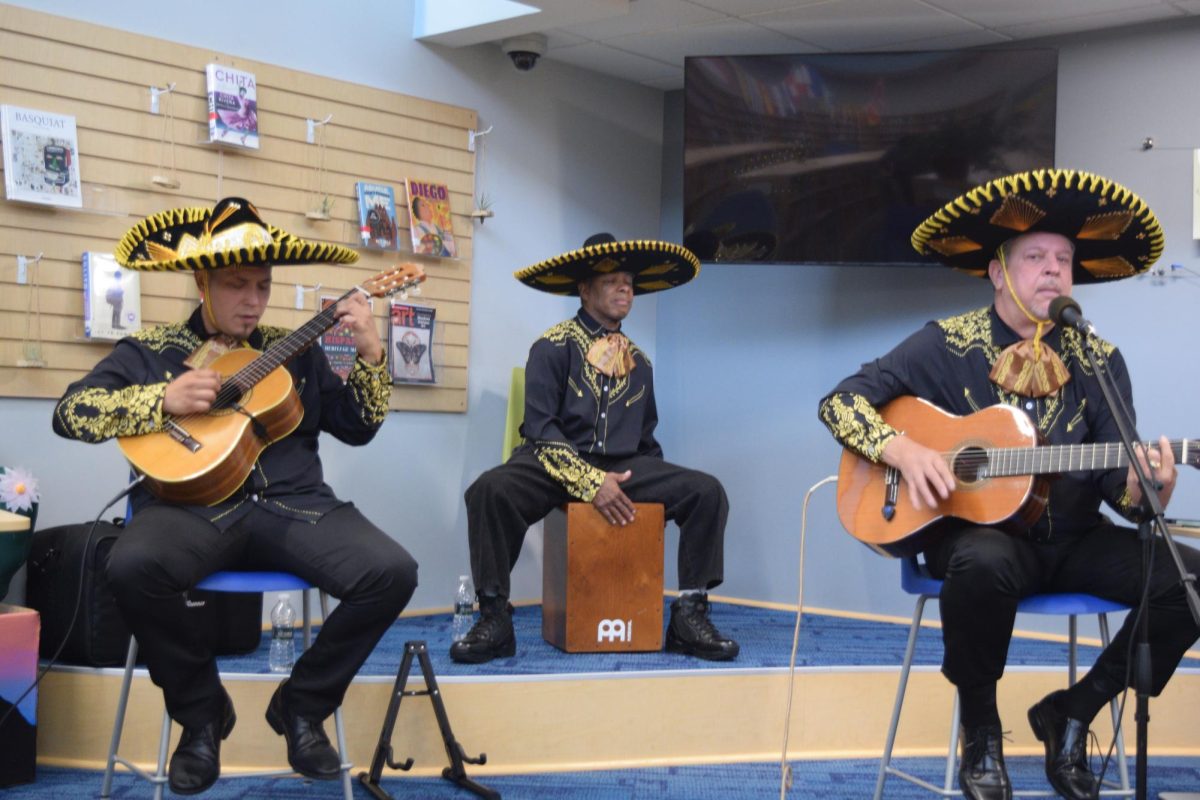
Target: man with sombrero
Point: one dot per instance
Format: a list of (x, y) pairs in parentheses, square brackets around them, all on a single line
[(283, 517), (589, 436), (1033, 235)]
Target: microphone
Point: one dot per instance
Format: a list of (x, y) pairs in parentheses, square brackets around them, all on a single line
[(1066, 312)]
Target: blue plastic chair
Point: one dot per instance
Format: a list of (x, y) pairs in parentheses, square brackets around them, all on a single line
[(230, 581), (916, 580)]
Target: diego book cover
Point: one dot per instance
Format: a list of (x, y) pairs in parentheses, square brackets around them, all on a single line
[(377, 215), (232, 106), (112, 298), (410, 343), (429, 219), (41, 157)]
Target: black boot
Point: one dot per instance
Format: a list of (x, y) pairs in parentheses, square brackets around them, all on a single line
[(308, 749), (491, 637), (691, 632), (196, 762), (981, 772), (1066, 749)]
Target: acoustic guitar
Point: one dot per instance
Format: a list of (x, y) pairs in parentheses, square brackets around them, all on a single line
[(201, 459), (1001, 474)]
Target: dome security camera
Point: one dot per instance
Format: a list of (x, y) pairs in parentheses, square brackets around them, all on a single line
[(525, 50)]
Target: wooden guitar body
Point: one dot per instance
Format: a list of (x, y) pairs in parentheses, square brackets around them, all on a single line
[(863, 487), (228, 442)]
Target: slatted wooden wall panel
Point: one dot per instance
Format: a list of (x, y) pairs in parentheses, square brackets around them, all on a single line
[(102, 77)]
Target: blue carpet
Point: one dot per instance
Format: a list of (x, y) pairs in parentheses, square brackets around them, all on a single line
[(765, 637), (830, 780)]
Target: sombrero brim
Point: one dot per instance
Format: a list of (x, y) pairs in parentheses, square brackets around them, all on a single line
[(1115, 233), (180, 239), (655, 266)]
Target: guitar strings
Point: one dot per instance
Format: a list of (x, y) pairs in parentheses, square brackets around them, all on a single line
[(1050, 457)]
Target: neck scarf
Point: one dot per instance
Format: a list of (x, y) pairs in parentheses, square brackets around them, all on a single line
[(610, 355)]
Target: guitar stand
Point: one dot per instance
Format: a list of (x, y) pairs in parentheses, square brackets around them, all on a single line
[(383, 751)]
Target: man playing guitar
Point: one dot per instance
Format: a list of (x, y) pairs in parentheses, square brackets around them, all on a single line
[(278, 514), (1033, 235)]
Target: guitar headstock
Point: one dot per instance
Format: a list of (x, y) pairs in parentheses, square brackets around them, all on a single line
[(399, 278)]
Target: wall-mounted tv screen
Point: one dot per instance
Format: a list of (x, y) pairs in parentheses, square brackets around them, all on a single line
[(835, 159)]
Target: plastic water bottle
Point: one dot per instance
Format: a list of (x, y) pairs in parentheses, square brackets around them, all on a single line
[(464, 608), (283, 633)]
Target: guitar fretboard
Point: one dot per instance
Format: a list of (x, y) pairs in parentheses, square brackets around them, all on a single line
[(1006, 461)]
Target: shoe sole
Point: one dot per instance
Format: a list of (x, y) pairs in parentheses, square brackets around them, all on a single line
[(676, 646), (508, 650), (275, 720)]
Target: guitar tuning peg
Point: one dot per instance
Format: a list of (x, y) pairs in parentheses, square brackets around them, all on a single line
[(416, 290), (404, 294)]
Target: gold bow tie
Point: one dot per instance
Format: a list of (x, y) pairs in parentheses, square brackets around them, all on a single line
[(1030, 369), (610, 355)]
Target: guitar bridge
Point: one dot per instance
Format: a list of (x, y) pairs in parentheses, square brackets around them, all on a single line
[(892, 494), (180, 434)]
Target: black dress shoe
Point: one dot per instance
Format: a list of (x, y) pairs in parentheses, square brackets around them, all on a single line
[(491, 637), (196, 762), (981, 773), (308, 749), (1066, 749), (691, 632)]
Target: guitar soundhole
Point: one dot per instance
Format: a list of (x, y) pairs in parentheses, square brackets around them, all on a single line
[(970, 465)]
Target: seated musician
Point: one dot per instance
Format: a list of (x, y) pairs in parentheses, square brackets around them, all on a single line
[(283, 517), (1033, 236), (589, 436)]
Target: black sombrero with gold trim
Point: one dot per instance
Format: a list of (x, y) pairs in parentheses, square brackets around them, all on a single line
[(229, 234), (655, 266), (1115, 233)]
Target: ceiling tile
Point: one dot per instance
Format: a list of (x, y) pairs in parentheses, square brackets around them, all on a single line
[(993, 14), (557, 37), (849, 25), (742, 8), (1187, 6), (730, 37), (645, 15), (1090, 22), (955, 41), (611, 61)]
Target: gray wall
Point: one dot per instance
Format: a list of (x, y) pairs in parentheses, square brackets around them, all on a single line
[(745, 360), (571, 153)]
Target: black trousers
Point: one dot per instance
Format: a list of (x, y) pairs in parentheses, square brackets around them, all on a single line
[(164, 551), (504, 501), (987, 571)]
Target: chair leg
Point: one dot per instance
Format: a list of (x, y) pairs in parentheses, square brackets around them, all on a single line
[(1114, 708), (952, 751), (339, 726), (886, 762), (164, 741), (119, 720)]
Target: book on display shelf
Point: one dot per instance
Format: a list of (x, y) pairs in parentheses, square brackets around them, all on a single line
[(377, 215), (338, 343), (112, 298), (41, 157), (429, 219), (232, 107), (410, 343)]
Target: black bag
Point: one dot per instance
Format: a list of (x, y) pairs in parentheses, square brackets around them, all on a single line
[(60, 571)]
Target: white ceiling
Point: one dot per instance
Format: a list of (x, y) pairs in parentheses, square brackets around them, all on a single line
[(646, 40)]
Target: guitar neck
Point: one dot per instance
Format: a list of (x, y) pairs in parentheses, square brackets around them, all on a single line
[(1051, 459), (241, 381)]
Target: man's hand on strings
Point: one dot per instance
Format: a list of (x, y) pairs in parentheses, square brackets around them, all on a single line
[(925, 471), (193, 392), (1158, 462)]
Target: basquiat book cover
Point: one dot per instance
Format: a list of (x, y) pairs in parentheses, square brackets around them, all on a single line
[(410, 343)]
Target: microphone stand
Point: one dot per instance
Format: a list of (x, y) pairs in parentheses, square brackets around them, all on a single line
[(1146, 528)]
